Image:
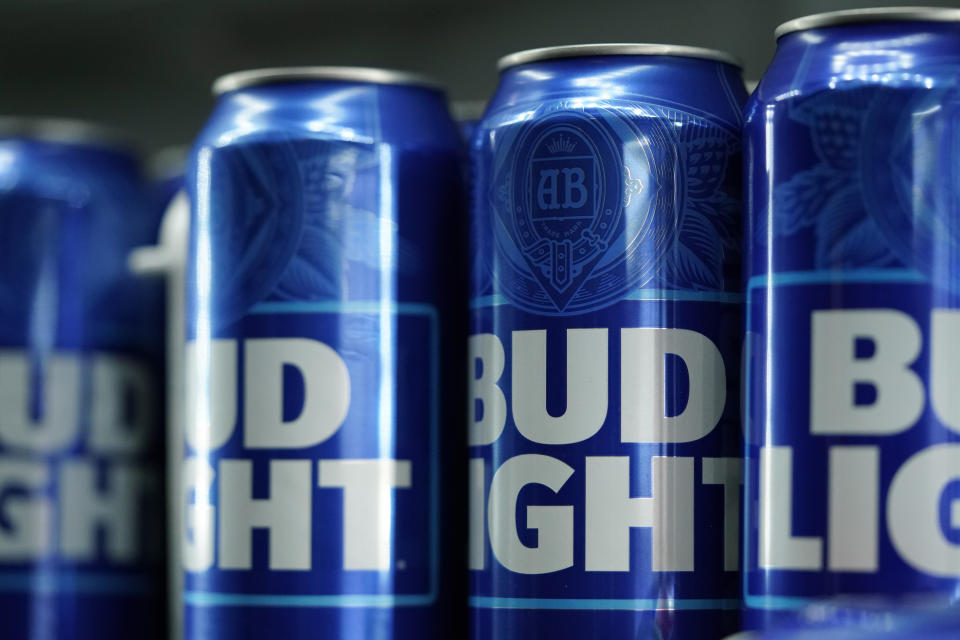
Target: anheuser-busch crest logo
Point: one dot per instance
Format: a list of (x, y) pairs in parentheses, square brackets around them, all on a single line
[(591, 204), (565, 210), (563, 232)]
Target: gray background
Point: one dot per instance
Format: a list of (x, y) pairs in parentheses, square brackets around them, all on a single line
[(146, 65)]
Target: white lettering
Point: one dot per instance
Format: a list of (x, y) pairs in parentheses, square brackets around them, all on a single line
[(286, 514), (611, 513), (486, 349), (367, 507), (643, 385), (326, 393), (835, 370), (913, 514), (30, 517), (116, 380), (554, 524), (853, 508), (478, 531), (779, 548), (586, 386), (945, 366), (114, 510), (56, 425), (727, 472)]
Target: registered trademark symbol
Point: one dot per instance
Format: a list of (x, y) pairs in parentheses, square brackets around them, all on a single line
[(401, 564)]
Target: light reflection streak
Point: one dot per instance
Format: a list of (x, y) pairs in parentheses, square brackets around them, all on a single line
[(768, 382), (245, 119), (201, 419), (386, 410)]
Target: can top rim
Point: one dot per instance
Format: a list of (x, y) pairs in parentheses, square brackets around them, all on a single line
[(370, 75), (615, 49), (65, 131), (860, 16)]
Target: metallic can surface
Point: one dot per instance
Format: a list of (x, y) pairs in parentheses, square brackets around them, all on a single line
[(878, 619), (605, 333), (81, 413), (322, 302), (853, 160)]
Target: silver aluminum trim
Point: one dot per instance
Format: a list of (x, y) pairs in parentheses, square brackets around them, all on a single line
[(615, 49), (253, 77), (862, 16)]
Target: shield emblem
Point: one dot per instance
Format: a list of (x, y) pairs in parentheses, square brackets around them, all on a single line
[(565, 208)]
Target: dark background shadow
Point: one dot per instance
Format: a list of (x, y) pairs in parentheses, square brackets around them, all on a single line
[(146, 65)]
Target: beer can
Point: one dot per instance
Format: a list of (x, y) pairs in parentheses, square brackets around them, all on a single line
[(321, 479), (605, 451), (81, 406), (852, 149), (865, 619)]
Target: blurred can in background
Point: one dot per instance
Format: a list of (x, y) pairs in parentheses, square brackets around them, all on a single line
[(853, 312), (166, 261), (81, 353), (326, 310), (604, 350), (467, 114)]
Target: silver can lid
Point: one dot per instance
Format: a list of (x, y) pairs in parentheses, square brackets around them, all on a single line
[(615, 49), (253, 77), (65, 131), (859, 16)]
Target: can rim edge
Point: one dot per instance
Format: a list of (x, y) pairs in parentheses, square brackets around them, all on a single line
[(527, 56), (271, 75), (865, 16)]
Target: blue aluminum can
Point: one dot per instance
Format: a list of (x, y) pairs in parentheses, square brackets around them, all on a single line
[(325, 326), (81, 410), (874, 619), (853, 456), (604, 351)]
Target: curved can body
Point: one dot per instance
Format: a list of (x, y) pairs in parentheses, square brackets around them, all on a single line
[(81, 410), (322, 299), (876, 619), (853, 166), (605, 451)]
